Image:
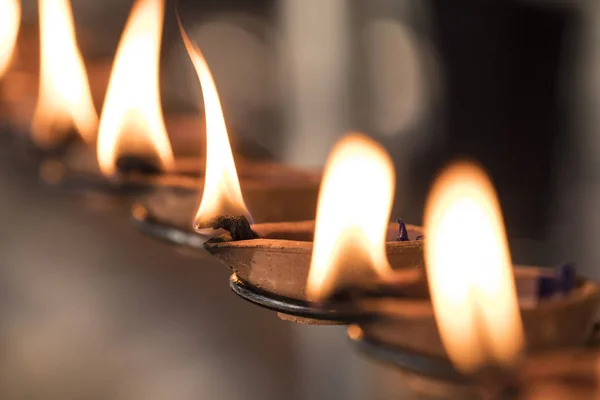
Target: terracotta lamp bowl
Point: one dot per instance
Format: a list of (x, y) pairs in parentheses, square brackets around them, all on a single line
[(278, 262), (409, 324), (272, 193)]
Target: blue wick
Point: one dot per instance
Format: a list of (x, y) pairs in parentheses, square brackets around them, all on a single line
[(566, 276), (546, 287), (402, 233)]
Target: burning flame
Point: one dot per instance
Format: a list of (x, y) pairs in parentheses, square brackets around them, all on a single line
[(470, 271), (355, 202), (64, 100), (10, 18), (222, 194), (132, 119)]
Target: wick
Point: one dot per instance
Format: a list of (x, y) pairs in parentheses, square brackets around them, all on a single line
[(129, 164), (402, 233), (238, 227)]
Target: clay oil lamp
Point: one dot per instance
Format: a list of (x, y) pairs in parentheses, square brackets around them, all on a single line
[(273, 192), (271, 261), (484, 328), (45, 100), (128, 148), (137, 152), (131, 150)]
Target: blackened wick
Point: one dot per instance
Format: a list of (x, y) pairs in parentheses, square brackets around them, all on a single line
[(238, 227), (128, 164)]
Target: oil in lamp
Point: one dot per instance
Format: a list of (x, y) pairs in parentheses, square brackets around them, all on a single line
[(271, 268), (485, 327)]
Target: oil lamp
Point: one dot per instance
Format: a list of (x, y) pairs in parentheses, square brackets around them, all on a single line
[(63, 133), (273, 192), (132, 142), (484, 323), (132, 152), (351, 234), (62, 111)]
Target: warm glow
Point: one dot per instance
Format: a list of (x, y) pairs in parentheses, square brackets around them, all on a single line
[(10, 18), (64, 100), (354, 207), (470, 271), (132, 121), (222, 193)]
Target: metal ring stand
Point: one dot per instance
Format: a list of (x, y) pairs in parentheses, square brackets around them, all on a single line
[(150, 226), (405, 359), (286, 305), (408, 360), (421, 364)]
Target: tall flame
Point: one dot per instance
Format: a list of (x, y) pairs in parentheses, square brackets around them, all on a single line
[(64, 100), (10, 19), (222, 194), (132, 119), (470, 272), (354, 207)]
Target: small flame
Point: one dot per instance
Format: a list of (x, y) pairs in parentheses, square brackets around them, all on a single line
[(222, 194), (355, 202), (470, 272), (132, 121), (64, 100), (10, 19)]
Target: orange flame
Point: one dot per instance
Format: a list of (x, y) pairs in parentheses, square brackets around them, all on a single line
[(132, 119), (354, 207), (64, 100), (470, 271), (10, 18), (222, 194)]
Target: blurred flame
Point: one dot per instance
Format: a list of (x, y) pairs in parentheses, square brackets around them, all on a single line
[(132, 121), (10, 19), (354, 207), (470, 271), (64, 99), (222, 193)]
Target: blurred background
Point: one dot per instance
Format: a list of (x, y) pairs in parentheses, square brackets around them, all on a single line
[(91, 309)]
